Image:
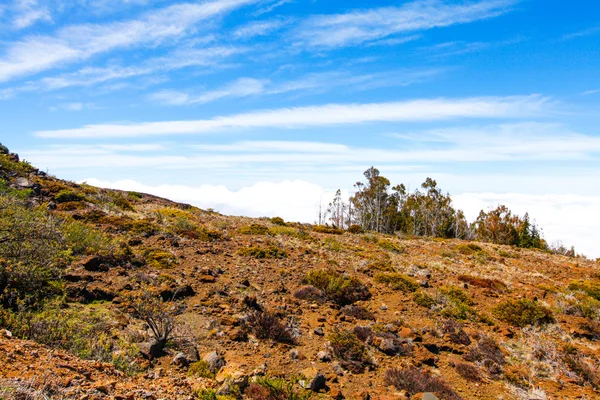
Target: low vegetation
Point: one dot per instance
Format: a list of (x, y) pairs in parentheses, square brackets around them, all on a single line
[(336, 287), (523, 312)]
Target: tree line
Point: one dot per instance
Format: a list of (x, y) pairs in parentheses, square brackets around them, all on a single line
[(378, 206)]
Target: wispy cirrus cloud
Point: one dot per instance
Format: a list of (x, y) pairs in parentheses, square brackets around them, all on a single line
[(28, 12), (323, 116), (360, 26), (78, 42), (315, 82), (585, 32), (258, 28)]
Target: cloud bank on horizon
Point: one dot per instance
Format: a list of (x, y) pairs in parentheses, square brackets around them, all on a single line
[(264, 107)]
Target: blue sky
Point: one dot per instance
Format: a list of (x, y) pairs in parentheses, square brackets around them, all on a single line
[(263, 107)]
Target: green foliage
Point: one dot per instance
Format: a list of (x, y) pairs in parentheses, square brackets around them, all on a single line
[(338, 288), (468, 248), (456, 295), (522, 312), (159, 259), (332, 230), (200, 369), (278, 221), (424, 300), (356, 229), (262, 252), (84, 239), (68, 196), (31, 247), (121, 201), (10, 164), (390, 246), (333, 244), (135, 195), (265, 388), (254, 229), (398, 281), (502, 227), (591, 288), (349, 350)]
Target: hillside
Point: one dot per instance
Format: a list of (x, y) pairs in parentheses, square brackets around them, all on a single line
[(264, 309)]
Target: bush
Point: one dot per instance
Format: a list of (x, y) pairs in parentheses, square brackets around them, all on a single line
[(424, 300), (278, 221), (265, 388), (456, 295), (337, 288), (355, 229), (358, 312), (493, 284), (468, 249), (254, 229), (522, 312), (390, 246), (349, 350), (398, 281), (488, 353), (332, 230), (468, 371), (589, 373), (267, 325), (68, 196), (200, 369), (262, 252), (159, 259), (83, 239), (590, 288), (414, 381), (309, 292), (454, 330)]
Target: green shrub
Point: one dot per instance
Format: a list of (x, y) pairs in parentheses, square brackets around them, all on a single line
[(333, 244), (390, 246), (84, 239), (159, 258), (355, 229), (68, 196), (278, 221), (349, 350), (456, 295), (424, 300), (254, 229), (135, 195), (332, 230), (338, 288), (468, 249), (262, 252), (591, 288), (200, 369), (522, 312), (398, 281), (265, 388)]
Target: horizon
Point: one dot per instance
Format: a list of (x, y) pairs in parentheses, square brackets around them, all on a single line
[(267, 107)]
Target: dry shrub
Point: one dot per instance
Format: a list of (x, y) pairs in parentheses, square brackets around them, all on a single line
[(355, 229), (414, 381), (337, 288), (309, 292), (587, 372), (468, 371), (523, 312), (493, 284), (350, 351), (267, 325), (253, 229), (332, 230), (488, 353), (358, 312), (454, 330)]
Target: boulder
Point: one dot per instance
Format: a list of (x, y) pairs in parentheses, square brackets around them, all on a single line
[(315, 380), (180, 360), (214, 360)]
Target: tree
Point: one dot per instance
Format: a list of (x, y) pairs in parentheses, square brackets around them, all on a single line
[(374, 207)]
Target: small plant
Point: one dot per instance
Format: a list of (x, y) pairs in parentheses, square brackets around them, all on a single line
[(338, 288), (358, 312), (454, 330), (159, 259), (590, 288), (349, 350), (488, 353), (522, 312), (267, 325), (424, 300), (398, 281), (332, 230), (390, 246), (68, 196), (493, 284), (468, 249), (356, 229), (200, 369), (309, 292), (254, 229), (468, 371), (265, 388), (414, 381), (588, 372), (262, 252), (278, 221), (456, 295)]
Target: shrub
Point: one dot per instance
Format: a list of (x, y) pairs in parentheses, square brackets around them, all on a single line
[(309, 292), (488, 353), (390, 246), (522, 312), (493, 284), (265, 388), (589, 373), (332, 230), (135, 195), (454, 330), (468, 371), (278, 221), (358, 312), (414, 381), (398, 281), (254, 229), (121, 201), (262, 252), (267, 325), (68, 196), (349, 350), (590, 288), (200, 369), (84, 239), (468, 249), (424, 300), (456, 295), (356, 229), (338, 288), (159, 259)]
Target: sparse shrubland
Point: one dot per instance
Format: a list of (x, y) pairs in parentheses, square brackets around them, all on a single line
[(336, 287)]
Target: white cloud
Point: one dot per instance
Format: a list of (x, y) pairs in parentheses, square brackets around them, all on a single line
[(257, 28), (590, 92), (78, 42), (242, 87), (28, 12), (582, 33), (570, 218), (276, 146), (360, 26), (326, 115)]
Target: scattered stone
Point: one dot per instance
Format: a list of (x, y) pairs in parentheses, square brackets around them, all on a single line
[(425, 396), (180, 360), (214, 360), (384, 307), (294, 354), (319, 331), (324, 356), (315, 380), (8, 334)]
